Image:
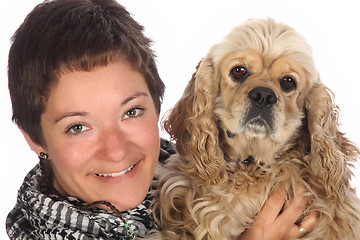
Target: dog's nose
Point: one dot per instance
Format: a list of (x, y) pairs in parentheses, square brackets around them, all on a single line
[(263, 97)]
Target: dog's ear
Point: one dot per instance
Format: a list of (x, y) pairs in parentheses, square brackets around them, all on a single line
[(331, 152), (192, 124)]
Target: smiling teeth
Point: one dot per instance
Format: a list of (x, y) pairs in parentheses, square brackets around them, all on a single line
[(116, 174)]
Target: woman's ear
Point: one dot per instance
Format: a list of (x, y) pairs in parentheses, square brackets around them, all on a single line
[(37, 148)]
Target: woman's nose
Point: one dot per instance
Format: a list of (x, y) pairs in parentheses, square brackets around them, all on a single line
[(114, 145)]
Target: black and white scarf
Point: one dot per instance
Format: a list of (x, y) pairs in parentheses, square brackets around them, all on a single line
[(40, 216)]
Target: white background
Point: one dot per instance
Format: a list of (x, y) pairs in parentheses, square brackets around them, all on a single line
[(183, 31)]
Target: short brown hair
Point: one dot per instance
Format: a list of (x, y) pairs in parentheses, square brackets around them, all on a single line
[(72, 35)]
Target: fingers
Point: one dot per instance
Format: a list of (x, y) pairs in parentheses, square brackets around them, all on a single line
[(272, 206), (296, 206), (270, 224), (308, 224), (264, 227), (294, 211), (311, 221)]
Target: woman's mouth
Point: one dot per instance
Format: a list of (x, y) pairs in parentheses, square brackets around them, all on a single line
[(115, 174)]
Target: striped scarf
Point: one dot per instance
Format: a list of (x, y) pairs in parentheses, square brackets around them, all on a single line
[(39, 216)]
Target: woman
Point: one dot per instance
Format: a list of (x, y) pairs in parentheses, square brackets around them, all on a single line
[(86, 95)]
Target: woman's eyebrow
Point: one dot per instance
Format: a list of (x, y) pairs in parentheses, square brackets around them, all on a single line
[(70, 114), (82, 114), (136, 95)]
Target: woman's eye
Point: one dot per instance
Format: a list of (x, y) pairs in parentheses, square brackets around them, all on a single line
[(77, 128), (133, 112)]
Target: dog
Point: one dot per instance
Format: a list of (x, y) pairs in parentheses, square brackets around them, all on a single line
[(255, 115)]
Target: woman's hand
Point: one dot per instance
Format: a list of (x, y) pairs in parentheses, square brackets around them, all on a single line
[(271, 225)]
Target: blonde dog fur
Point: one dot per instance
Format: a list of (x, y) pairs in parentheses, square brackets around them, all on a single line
[(236, 144)]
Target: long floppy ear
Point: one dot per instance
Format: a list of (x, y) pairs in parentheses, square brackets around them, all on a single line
[(331, 152), (193, 125)]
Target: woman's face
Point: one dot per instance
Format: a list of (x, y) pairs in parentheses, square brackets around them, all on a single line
[(101, 134)]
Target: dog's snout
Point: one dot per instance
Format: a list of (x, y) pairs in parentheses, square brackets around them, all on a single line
[(262, 97)]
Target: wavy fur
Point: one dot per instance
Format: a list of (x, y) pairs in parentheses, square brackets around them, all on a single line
[(211, 189)]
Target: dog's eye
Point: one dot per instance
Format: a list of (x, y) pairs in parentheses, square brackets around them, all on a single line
[(239, 73), (287, 83)]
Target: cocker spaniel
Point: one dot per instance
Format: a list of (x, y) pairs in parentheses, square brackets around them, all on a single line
[(255, 115)]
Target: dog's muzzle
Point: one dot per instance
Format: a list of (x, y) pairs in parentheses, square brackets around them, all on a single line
[(260, 114)]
